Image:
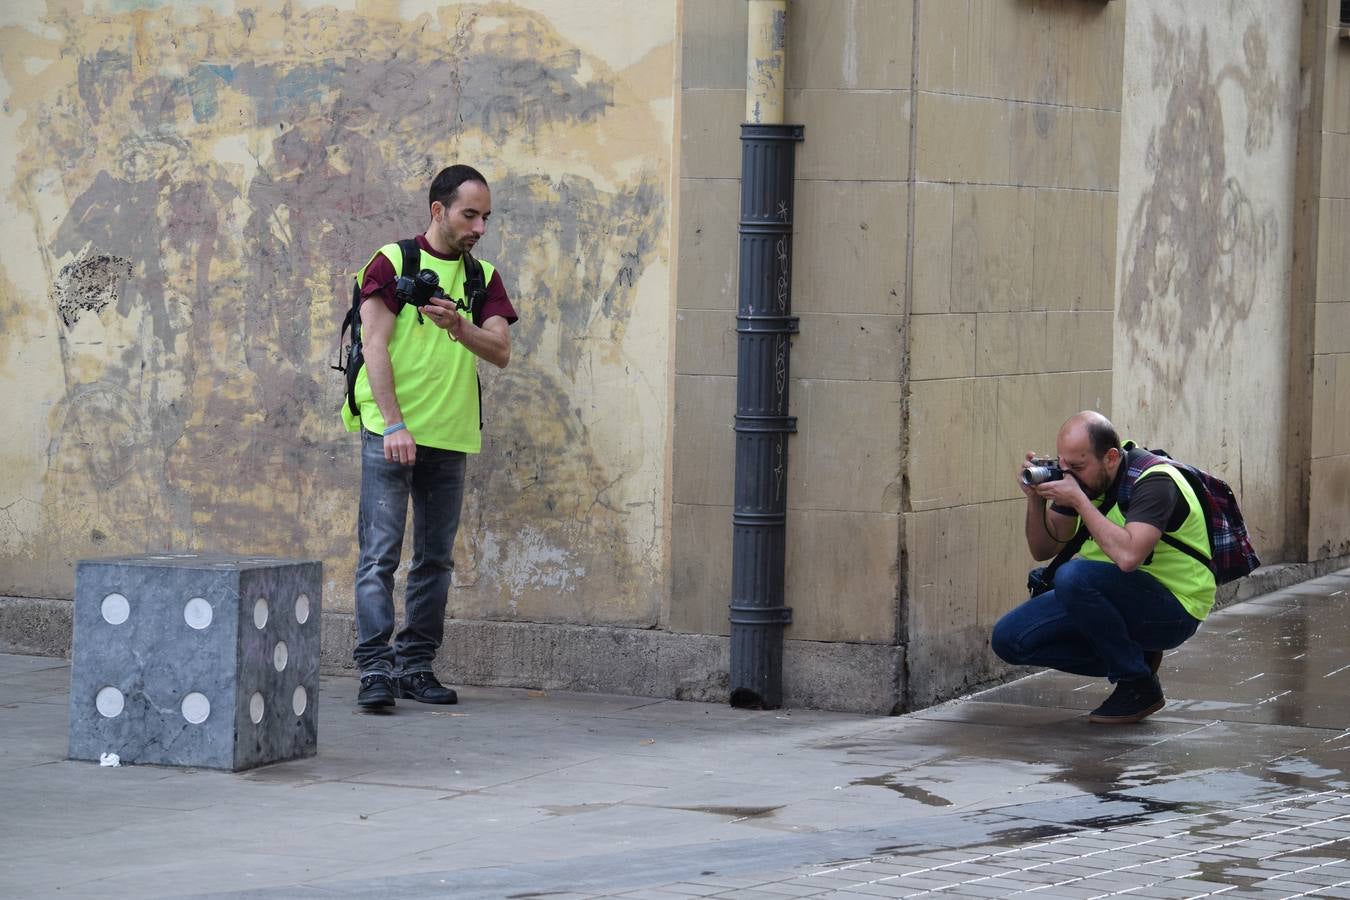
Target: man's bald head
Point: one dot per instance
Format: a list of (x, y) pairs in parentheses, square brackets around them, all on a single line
[(1092, 428), (1084, 446)]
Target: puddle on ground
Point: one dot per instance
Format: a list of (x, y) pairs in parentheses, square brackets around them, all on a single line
[(576, 809), (1029, 834), (908, 791), (1148, 808), (1217, 872), (736, 812)]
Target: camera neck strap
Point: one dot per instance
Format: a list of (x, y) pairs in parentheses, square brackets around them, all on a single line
[(1080, 537)]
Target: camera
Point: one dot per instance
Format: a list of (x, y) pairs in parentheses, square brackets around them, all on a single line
[(1039, 471), (418, 289)]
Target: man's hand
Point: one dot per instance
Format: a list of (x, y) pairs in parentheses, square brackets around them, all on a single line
[(491, 342), (1028, 490), (1066, 493), (444, 314), (400, 447), (1046, 530)]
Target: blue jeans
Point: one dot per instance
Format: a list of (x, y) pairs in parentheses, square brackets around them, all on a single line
[(436, 485), (1098, 621)]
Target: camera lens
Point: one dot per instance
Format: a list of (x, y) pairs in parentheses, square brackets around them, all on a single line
[(1033, 475)]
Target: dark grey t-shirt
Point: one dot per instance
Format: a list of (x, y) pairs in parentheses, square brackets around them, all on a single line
[(1157, 501)]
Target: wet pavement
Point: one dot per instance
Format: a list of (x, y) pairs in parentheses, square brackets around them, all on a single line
[(1237, 788)]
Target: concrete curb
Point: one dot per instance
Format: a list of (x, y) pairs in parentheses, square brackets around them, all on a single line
[(846, 677)]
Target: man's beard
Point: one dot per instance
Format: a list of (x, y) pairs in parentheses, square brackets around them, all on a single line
[(1092, 492)]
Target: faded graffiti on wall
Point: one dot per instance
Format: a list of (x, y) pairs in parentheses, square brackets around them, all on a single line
[(197, 187), (1195, 236), (1206, 173)]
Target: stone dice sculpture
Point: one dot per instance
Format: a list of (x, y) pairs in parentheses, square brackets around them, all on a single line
[(200, 660)]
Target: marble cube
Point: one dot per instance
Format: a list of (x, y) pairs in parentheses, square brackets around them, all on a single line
[(205, 660)]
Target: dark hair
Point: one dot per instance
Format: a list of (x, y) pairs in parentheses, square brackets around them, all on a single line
[(445, 186), (1102, 435)]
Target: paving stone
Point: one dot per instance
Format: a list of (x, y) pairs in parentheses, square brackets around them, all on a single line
[(788, 889), (691, 890)]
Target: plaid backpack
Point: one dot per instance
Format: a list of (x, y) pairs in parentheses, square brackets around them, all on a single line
[(1231, 551)]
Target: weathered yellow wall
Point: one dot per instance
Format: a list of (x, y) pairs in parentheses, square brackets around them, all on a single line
[(1329, 507), (191, 183), (848, 78), (1006, 211), (1014, 228), (1202, 338)]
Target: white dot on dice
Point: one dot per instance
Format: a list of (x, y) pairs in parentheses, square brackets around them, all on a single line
[(197, 613), (109, 702), (196, 708), (115, 609)]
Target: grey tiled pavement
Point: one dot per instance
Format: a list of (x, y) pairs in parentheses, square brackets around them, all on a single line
[(1238, 788)]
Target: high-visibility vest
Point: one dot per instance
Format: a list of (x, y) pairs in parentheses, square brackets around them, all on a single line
[(435, 378), (1189, 580)]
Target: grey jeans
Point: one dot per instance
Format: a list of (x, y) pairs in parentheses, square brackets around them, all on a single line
[(435, 484)]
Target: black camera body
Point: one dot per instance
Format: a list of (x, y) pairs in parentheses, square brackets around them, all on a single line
[(417, 290), (1039, 471), (1038, 583)]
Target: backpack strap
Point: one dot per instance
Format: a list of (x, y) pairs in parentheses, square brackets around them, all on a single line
[(1080, 537), (1189, 551), (475, 291), (412, 257)]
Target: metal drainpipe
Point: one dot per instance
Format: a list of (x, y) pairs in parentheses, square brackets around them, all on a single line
[(763, 324)]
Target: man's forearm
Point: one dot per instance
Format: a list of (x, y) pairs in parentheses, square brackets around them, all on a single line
[(1041, 545), (1114, 540), (486, 344), (380, 373)]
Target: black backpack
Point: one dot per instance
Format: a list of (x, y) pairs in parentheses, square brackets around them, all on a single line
[(350, 358)]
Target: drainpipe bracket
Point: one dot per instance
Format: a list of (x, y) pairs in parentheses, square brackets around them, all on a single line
[(751, 424), (761, 615), (759, 131), (761, 324)]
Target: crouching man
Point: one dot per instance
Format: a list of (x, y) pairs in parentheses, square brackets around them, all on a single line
[(1125, 595)]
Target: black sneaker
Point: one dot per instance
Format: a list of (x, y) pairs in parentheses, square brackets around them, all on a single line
[(377, 691), (423, 687), (1131, 701)]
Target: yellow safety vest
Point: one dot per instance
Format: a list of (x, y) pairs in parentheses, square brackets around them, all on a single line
[(435, 378), (1186, 577)]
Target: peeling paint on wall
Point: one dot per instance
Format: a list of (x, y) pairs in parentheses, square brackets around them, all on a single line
[(198, 183)]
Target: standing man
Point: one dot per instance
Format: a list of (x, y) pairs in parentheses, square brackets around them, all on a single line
[(1126, 596), (419, 415)]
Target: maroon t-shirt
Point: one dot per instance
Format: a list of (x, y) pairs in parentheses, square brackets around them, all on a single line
[(380, 278)]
